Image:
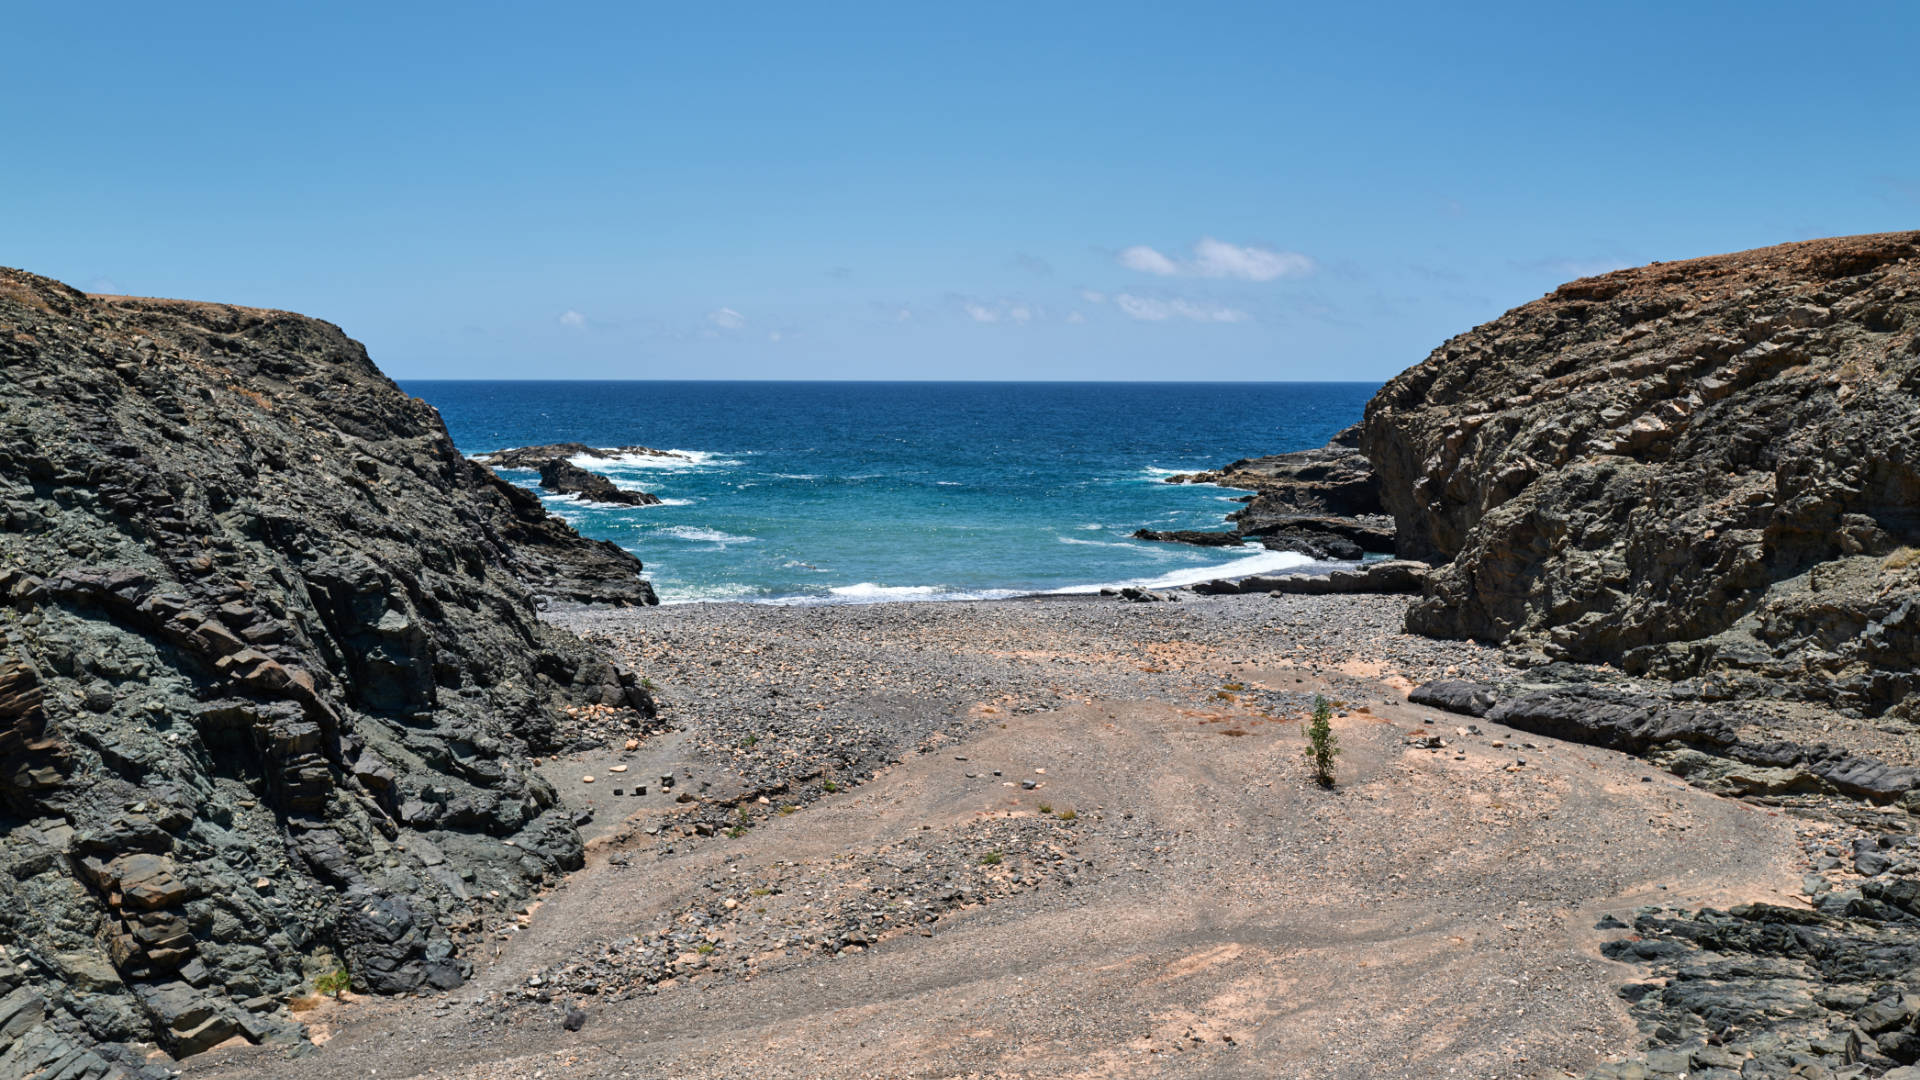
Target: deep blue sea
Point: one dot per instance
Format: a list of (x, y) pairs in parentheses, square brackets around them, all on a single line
[(825, 492)]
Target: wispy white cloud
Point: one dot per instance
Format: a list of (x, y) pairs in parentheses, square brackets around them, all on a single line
[(1020, 313), (1148, 261), (773, 335), (572, 318), (1075, 317), (980, 313), (726, 318), (1093, 296), (1218, 259), (1150, 309)]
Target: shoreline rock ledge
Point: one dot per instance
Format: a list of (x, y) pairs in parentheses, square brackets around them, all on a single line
[(561, 475), (272, 669), (1323, 503)]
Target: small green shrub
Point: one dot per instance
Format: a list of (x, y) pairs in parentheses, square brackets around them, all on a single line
[(737, 832), (1067, 815), (1322, 745), (991, 858), (830, 787), (333, 983), (1046, 809), (705, 948)]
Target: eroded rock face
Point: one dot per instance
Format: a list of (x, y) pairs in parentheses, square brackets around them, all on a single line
[(1698, 469), (1323, 503), (272, 669)]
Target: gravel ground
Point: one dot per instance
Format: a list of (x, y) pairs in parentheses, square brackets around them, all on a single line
[(1064, 838)]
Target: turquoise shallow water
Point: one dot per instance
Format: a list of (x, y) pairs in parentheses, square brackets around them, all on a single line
[(821, 492)]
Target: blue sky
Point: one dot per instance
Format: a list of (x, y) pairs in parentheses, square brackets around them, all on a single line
[(1086, 191)]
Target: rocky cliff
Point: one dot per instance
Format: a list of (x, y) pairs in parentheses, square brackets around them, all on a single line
[(272, 667), (1707, 471)]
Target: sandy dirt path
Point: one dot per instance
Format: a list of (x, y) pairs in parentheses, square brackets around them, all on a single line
[(1207, 910)]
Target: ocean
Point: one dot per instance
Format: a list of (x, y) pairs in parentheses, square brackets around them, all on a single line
[(858, 492)]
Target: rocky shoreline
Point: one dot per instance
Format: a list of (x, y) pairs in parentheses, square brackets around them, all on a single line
[(294, 696)]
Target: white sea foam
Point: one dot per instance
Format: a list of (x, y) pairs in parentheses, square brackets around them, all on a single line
[(711, 536), (708, 594), (680, 461), (1261, 562), (867, 592), (1101, 543), (947, 483), (560, 504), (1095, 525)]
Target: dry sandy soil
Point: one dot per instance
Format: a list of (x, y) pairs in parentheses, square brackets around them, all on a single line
[(1174, 896)]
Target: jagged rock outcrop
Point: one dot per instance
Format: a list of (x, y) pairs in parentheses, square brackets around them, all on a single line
[(567, 478), (1705, 469), (1324, 503), (271, 671), (532, 457)]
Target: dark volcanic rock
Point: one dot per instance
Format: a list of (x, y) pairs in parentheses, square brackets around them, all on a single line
[(567, 478), (1389, 576), (1760, 990), (272, 669), (1324, 503), (532, 457), (1196, 537), (1704, 468), (1697, 742)]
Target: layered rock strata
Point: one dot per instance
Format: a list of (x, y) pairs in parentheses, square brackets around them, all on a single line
[(272, 670), (1704, 470), (1324, 503)]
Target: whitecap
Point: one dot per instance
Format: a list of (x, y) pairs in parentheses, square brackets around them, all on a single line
[(867, 592), (1101, 543), (710, 536), (560, 504), (708, 594), (680, 461), (1261, 562)]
